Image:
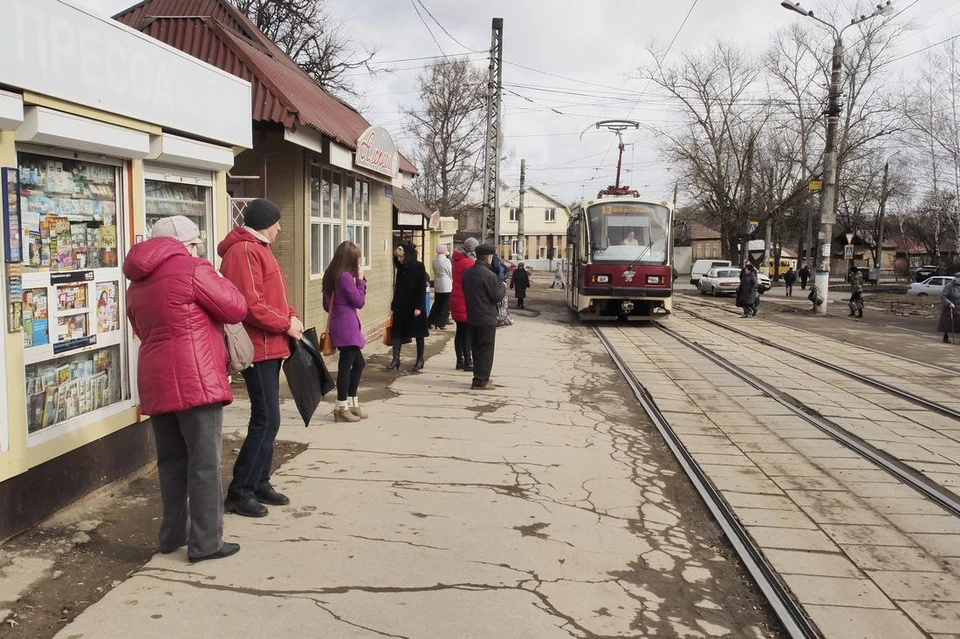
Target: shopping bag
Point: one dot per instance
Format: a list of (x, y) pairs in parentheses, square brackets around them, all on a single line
[(307, 375), (504, 318), (388, 332)]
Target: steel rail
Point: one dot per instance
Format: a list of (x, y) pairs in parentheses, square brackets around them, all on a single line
[(790, 612), (887, 388), (923, 485)]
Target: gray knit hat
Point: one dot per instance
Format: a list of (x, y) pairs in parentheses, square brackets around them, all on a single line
[(470, 245)]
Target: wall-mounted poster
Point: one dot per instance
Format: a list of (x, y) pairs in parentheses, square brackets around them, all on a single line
[(13, 241), (36, 331), (108, 311)]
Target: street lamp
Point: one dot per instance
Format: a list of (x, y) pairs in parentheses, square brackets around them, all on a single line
[(828, 196)]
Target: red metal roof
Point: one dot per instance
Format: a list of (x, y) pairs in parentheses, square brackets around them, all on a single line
[(217, 33)]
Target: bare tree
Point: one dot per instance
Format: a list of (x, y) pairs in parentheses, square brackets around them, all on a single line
[(448, 133), (305, 31)]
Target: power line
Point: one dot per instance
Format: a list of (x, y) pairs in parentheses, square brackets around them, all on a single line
[(420, 15), (444, 29), (935, 44)]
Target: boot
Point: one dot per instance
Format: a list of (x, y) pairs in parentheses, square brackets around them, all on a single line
[(354, 403), (417, 365), (459, 363), (860, 313), (342, 412), (946, 338), (395, 362), (468, 363)]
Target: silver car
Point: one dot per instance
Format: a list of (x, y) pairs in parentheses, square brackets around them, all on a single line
[(932, 286), (719, 281)]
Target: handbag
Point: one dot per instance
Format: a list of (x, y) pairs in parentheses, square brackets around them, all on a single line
[(388, 332), (504, 318), (326, 343), (239, 348)]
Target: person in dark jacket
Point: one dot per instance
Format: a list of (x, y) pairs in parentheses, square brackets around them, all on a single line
[(788, 279), (409, 304), (748, 295), (499, 269), (949, 315), (520, 282), (804, 276), (856, 292), (482, 292), (178, 304), (345, 293), (462, 261)]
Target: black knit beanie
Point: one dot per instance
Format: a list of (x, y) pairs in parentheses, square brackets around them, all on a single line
[(260, 214)]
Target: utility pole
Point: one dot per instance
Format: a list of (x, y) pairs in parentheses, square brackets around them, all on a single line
[(491, 155), (766, 247), (878, 256), (521, 239)]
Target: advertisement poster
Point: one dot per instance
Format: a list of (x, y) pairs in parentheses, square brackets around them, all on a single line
[(71, 327), (108, 310), (35, 318)]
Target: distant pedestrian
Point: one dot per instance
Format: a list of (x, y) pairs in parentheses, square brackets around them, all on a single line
[(804, 276), (856, 292), (345, 287), (949, 315), (177, 304), (442, 288), (409, 304), (558, 275), (520, 282), (788, 279), (815, 297), (748, 294), (499, 269), (462, 260), (482, 293)]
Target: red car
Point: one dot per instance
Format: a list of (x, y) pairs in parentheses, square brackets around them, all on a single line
[(512, 266)]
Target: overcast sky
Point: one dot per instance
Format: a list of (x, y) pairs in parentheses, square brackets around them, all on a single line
[(600, 42)]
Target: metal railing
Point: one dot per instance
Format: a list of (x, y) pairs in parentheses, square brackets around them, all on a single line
[(236, 207)]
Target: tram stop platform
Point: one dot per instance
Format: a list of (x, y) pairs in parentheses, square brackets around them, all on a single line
[(548, 507)]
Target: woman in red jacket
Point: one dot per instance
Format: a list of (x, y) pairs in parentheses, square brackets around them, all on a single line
[(462, 260), (178, 304)]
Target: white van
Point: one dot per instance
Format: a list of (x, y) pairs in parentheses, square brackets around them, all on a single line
[(700, 268)]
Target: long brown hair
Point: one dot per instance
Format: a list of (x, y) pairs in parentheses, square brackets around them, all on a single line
[(345, 258)]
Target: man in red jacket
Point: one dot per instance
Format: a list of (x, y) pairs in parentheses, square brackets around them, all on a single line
[(248, 262)]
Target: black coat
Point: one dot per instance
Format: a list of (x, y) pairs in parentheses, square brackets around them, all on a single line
[(409, 295), (482, 293), (949, 322), (520, 282), (749, 292), (789, 278)]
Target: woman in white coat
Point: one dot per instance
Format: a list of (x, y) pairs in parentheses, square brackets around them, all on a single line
[(442, 287)]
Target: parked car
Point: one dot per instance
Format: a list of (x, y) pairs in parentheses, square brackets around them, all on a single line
[(932, 286), (719, 281), (924, 272), (700, 267), (763, 282)]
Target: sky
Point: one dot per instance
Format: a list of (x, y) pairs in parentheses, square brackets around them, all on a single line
[(569, 63)]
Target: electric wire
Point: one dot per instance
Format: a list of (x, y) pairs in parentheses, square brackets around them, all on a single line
[(427, 26)]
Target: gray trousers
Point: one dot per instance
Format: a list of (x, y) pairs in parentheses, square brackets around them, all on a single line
[(188, 464)]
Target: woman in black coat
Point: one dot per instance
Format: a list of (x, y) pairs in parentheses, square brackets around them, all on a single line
[(409, 304), (520, 282), (748, 295)]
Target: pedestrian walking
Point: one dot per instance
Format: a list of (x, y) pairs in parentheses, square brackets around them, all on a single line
[(520, 282), (856, 292), (804, 276), (482, 293), (462, 260), (442, 288), (271, 322), (178, 304), (558, 275), (788, 279), (345, 293), (949, 315), (748, 294), (409, 304)]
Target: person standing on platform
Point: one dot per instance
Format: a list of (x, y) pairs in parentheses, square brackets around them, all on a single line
[(748, 295), (271, 323), (442, 288), (178, 304), (804, 276), (346, 289), (856, 292), (409, 304), (949, 315), (520, 282), (788, 279), (462, 260), (482, 292)]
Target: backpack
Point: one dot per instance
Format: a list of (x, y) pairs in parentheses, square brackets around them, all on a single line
[(239, 347)]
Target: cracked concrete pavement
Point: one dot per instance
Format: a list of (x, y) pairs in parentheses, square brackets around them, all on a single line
[(548, 508)]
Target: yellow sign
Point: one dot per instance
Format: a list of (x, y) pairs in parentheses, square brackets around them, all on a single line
[(815, 185), (848, 251)]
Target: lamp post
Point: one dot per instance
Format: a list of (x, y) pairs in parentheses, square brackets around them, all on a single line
[(828, 198)]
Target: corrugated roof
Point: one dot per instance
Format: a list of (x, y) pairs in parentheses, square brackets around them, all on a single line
[(217, 33), (698, 231), (406, 202)]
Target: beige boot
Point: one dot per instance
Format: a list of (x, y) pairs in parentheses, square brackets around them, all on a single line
[(341, 413), (355, 408)]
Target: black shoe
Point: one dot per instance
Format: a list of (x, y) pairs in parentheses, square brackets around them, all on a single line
[(225, 550), (459, 364), (852, 315), (417, 366), (167, 551), (946, 340), (468, 366), (244, 506), (394, 364), (860, 314), (268, 495)]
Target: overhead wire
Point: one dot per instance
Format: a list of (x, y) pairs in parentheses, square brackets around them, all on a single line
[(443, 28), (427, 26)]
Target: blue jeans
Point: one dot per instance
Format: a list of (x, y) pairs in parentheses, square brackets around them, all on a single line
[(251, 471)]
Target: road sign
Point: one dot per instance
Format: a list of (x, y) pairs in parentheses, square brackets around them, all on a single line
[(849, 238), (848, 252), (752, 225), (815, 185)]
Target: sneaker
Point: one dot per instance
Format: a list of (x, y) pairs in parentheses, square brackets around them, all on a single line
[(244, 506), (225, 550), (268, 495)]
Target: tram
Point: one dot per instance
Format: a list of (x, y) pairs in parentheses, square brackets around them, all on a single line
[(619, 253)]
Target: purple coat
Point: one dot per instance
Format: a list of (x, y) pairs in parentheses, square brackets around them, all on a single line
[(344, 322)]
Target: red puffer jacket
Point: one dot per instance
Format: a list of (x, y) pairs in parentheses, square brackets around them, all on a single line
[(178, 304), (249, 263), (458, 306)]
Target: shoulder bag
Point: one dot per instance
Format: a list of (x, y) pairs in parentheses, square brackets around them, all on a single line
[(326, 343), (239, 347)]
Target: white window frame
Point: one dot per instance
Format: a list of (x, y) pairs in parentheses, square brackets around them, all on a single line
[(334, 226), (358, 222), (543, 252), (204, 179), (514, 215), (550, 216)]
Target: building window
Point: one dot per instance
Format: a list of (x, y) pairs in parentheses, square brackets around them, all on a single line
[(550, 215), (358, 216), (716, 249), (513, 215), (339, 210), (543, 252)]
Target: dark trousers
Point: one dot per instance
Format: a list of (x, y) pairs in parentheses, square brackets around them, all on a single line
[(349, 371), (188, 465), (252, 468), (440, 311), (461, 343), (803, 283), (789, 290), (482, 342)]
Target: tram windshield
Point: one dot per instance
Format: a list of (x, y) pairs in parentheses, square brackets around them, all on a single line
[(629, 232)]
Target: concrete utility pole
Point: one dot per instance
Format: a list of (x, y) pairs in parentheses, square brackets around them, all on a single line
[(521, 239), (766, 248), (491, 154), (828, 199), (878, 255)]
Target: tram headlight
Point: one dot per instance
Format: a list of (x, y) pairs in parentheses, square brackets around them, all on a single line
[(654, 279), (601, 279)]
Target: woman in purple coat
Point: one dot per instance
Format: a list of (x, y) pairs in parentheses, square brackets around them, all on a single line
[(344, 285)]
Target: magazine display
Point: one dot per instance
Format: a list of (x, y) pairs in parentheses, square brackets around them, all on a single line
[(69, 387)]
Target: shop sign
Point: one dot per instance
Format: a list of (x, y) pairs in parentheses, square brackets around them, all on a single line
[(815, 185), (435, 220), (377, 152)]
